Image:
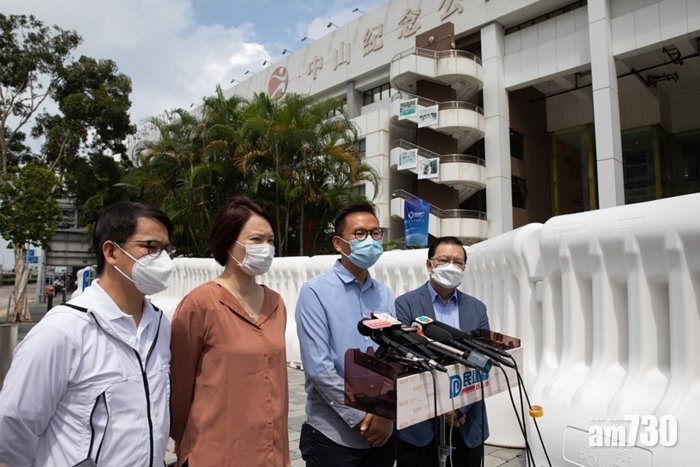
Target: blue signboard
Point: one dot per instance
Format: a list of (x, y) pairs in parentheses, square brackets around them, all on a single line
[(416, 217), (31, 257)]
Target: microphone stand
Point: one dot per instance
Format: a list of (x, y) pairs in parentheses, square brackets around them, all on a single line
[(443, 448)]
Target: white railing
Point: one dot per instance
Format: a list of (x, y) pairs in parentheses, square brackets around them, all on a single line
[(607, 304)]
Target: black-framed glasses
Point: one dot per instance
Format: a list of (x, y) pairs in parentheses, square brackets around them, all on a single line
[(376, 234), (444, 260), (154, 247)]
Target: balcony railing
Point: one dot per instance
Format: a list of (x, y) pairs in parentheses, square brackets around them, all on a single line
[(443, 213), (436, 54), (446, 105), (427, 153)]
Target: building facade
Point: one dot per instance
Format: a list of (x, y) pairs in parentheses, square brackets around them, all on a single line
[(501, 113)]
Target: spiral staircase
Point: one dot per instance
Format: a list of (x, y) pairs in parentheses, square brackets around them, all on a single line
[(440, 83)]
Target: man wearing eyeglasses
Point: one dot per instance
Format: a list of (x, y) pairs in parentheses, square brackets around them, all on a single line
[(439, 299), (328, 310), (90, 382)]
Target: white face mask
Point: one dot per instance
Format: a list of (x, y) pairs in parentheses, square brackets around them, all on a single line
[(448, 276), (150, 274), (258, 258)]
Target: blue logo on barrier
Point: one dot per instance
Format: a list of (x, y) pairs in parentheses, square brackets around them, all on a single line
[(467, 382)]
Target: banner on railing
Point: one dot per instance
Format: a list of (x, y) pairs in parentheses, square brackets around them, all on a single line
[(428, 116), (429, 168), (407, 108), (408, 159), (415, 222)]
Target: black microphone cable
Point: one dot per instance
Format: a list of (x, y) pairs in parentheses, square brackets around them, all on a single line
[(521, 422), (537, 427)]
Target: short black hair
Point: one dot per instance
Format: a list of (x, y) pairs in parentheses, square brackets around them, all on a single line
[(449, 240), (362, 206), (229, 222), (118, 221)]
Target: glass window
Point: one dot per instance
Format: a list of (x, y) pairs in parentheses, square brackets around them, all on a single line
[(377, 94), (574, 176), (519, 192), (361, 147), (516, 144), (338, 110), (638, 165), (358, 190), (686, 160)]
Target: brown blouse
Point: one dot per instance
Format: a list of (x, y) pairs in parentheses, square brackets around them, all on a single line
[(229, 397)]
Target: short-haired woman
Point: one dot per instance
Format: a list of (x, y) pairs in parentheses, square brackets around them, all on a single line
[(228, 367)]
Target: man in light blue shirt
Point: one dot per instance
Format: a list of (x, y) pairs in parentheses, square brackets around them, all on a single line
[(328, 310), (440, 299)]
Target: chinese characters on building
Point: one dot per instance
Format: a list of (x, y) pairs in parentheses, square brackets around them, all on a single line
[(447, 7), (315, 64), (409, 24), (373, 38), (342, 55)]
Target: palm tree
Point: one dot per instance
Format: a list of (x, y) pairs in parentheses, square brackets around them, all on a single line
[(189, 171), (296, 157), (288, 155)]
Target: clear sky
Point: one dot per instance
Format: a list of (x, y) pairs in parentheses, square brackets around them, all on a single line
[(176, 51)]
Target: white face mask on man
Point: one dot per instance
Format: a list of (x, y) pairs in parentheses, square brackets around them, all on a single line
[(258, 258), (150, 274), (448, 276)]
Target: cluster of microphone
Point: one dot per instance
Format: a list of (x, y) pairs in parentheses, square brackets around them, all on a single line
[(430, 345)]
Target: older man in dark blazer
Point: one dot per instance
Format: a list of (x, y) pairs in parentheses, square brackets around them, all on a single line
[(439, 299)]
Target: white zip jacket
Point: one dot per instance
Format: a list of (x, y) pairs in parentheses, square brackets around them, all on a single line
[(87, 385)]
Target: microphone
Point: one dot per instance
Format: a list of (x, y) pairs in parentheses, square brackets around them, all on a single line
[(444, 332), (467, 357), (413, 335), (382, 334)]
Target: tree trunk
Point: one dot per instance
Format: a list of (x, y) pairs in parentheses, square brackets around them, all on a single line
[(21, 279), (3, 150)]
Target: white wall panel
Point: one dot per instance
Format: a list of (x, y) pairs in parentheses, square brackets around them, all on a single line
[(623, 32), (647, 27), (566, 52), (565, 24), (546, 31), (672, 17), (693, 13), (547, 59)]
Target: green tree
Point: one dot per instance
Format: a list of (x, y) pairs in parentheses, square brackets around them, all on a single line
[(28, 216), (303, 161), (189, 170), (288, 155), (36, 66), (32, 57)]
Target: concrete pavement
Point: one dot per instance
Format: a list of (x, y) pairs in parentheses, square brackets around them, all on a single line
[(495, 456)]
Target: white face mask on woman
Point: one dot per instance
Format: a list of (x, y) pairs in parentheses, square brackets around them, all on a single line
[(150, 274), (448, 276), (258, 258)]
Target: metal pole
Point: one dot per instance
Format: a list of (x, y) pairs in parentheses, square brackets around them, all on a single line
[(443, 448)]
